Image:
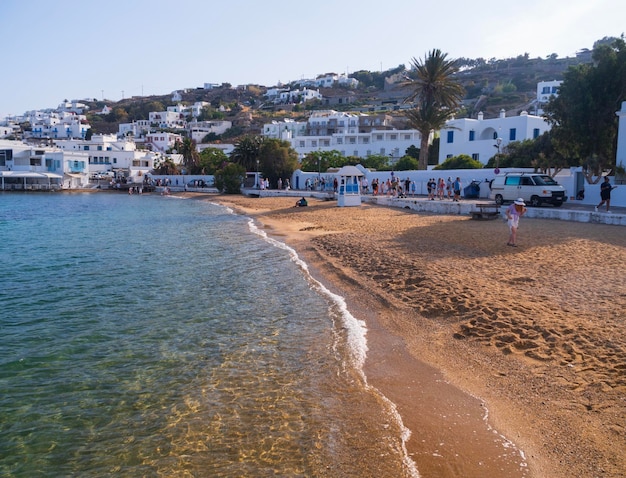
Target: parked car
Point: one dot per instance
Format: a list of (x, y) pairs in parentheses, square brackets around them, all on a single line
[(534, 188), (102, 175), (199, 183)]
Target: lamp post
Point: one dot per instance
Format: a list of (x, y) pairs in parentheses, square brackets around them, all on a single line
[(497, 145), (258, 183)]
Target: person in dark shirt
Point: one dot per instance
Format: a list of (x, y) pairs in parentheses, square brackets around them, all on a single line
[(605, 194)]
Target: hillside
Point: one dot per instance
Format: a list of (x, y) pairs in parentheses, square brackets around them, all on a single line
[(492, 85)]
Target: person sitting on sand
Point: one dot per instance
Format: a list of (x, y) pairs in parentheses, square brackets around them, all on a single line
[(301, 202), (513, 213)]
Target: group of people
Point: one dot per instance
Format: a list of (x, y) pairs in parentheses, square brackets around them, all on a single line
[(321, 183), (264, 183), (441, 189), (392, 187)]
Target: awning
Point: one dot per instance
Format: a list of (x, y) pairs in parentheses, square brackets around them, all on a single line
[(73, 175)]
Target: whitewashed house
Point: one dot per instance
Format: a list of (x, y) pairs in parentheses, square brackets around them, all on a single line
[(161, 141), (483, 138), (106, 153), (57, 125), (136, 129), (545, 91), (199, 129), (330, 130), (27, 167), (174, 117)]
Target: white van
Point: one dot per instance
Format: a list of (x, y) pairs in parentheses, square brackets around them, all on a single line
[(534, 188)]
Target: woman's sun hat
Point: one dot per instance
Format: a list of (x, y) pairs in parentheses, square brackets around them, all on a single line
[(520, 202)]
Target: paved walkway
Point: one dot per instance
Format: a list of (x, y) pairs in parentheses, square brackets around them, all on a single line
[(569, 211)]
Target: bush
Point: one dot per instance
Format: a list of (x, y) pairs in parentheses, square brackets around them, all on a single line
[(228, 180)]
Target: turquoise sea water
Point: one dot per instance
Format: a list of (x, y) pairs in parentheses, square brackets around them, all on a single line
[(158, 336)]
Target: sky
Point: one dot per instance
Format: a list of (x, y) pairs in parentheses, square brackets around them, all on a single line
[(114, 49)]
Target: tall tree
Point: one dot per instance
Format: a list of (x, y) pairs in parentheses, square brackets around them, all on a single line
[(583, 113), (436, 94), (191, 158), (320, 161), (246, 152), (277, 160), (212, 159)]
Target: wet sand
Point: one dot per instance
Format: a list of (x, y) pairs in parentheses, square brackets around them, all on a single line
[(459, 323)]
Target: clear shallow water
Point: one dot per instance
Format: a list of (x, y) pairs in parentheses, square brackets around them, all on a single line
[(153, 336)]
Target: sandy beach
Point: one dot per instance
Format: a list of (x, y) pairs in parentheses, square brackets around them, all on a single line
[(459, 323)]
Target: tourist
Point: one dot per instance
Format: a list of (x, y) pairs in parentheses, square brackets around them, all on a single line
[(513, 213), (441, 185), (605, 194), (457, 189)]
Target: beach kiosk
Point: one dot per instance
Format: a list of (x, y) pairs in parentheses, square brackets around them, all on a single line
[(349, 193)]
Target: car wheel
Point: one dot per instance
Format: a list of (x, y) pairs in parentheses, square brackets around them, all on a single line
[(499, 199), (535, 201)]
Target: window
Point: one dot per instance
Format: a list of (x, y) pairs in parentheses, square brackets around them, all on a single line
[(545, 90), (393, 137), (407, 137), (512, 134), (475, 156), (526, 181), (339, 140), (472, 134), (379, 137), (450, 136), (512, 180), (535, 133), (85, 148)]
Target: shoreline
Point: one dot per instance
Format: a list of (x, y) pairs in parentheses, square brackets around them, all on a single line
[(534, 393)]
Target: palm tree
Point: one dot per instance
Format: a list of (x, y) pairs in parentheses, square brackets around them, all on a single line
[(187, 148), (246, 152), (436, 94)]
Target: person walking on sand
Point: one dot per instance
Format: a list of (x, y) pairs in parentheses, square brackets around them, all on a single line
[(605, 194), (513, 213)]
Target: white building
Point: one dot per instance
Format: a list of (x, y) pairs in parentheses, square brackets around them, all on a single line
[(161, 141), (172, 118), (107, 153), (24, 166), (56, 125), (199, 129), (343, 132), (287, 96), (137, 128), (545, 91), (478, 138), (620, 159)]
